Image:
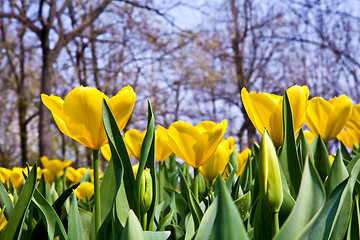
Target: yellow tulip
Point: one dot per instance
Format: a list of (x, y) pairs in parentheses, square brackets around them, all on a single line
[(349, 137), (49, 175), (133, 139), (15, 176), (85, 188), (353, 121), (265, 110), (55, 166), (106, 151), (162, 149), (195, 145), (217, 162), (79, 116), (242, 160), (327, 118), (75, 175), (269, 174)]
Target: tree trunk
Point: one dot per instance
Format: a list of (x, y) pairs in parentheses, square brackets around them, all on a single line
[(46, 85)]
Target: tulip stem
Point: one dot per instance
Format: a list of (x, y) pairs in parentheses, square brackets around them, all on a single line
[(96, 190), (276, 223), (196, 184), (144, 220), (160, 182)]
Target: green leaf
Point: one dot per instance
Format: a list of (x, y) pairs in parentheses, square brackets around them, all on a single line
[(163, 235), (49, 217), (119, 154), (263, 221), (310, 199), (74, 223), (338, 173), (147, 159), (222, 219), (354, 226), (85, 219), (16, 218), (345, 152), (5, 202), (321, 225), (303, 148), (243, 204), (165, 221), (321, 158), (289, 159), (193, 204), (133, 230)]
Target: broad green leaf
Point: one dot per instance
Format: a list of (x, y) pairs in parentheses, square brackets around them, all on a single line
[(49, 217), (163, 235), (321, 158), (222, 219), (85, 219), (289, 159), (263, 221), (74, 223), (338, 173), (133, 230), (321, 225), (119, 154), (345, 152), (309, 202), (243, 204), (16, 218)]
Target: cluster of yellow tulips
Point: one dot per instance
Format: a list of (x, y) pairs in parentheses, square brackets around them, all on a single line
[(324, 118)]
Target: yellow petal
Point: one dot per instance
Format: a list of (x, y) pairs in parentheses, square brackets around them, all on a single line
[(122, 105), (353, 121), (317, 115), (195, 145), (162, 149), (217, 162), (83, 107), (16, 177), (55, 104), (298, 96), (85, 188), (242, 160), (133, 140), (342, 107), (106, 151), (55, 165), (75, 175)]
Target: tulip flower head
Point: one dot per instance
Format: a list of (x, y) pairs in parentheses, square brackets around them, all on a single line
[(162, 149), (15, 176), (85, 188), (269, 174), (327, 118), (349, 137), (265, 110), (75, 175), (133, 139), (195, 144), (79, 115), (217, 162)]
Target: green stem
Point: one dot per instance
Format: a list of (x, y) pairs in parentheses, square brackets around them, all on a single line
[(96, 190), (196, 184), (276, 223), (160, 182)]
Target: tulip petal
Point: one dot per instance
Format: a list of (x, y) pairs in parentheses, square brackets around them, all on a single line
[(133, 140), (317, 112), (162, 149), (338, 117), (298, 96), (83, 106), (122, 105), (186, 142)]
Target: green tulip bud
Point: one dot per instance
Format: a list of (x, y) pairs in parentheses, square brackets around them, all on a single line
[(146, 190), (269, 174)]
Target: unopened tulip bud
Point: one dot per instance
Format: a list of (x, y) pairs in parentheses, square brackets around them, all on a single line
[(146, 190), (269, 174)]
